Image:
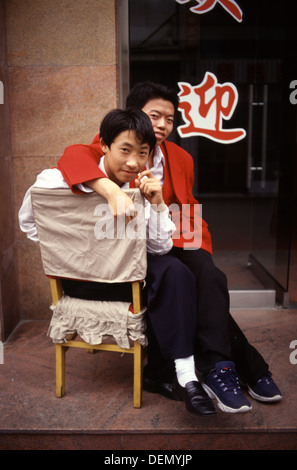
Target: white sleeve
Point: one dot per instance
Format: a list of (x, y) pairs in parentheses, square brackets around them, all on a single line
[(83, 187), (50, 178), (26, 218), (159, 229)]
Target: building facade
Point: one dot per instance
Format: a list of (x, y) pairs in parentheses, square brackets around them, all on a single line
[(65, 64)]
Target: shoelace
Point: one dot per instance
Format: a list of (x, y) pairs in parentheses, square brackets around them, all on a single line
[(266, 379), (228, 380)]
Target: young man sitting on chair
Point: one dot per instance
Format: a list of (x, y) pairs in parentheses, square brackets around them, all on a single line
[(222, 351), (127, 139)]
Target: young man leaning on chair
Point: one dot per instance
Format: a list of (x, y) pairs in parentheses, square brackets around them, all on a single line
[(127, 139)]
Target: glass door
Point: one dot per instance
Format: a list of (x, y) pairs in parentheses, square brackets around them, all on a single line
[(232, 64), (271, 145)]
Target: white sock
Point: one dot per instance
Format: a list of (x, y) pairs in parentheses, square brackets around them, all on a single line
[(185, 370)]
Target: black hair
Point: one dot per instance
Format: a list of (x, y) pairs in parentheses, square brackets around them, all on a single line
[(132, 119), (143, 92)]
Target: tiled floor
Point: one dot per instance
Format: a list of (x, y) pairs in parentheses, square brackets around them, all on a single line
[(97, 411)]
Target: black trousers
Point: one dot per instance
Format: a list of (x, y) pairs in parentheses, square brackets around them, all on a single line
[(218, 337), (171, 307), (188, 311), (170, 297)]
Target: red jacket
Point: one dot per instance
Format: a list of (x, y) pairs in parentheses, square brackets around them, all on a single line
[(79, 163)]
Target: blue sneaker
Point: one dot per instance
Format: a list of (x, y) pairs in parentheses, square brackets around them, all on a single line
[(265, 389), (223, 385)]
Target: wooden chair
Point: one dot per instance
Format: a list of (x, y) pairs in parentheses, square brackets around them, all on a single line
[(69, 229)]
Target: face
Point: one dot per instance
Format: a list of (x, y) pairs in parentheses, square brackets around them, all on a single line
[(125, 158), (161, 114)]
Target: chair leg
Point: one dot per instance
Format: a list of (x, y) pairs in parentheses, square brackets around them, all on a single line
[(137, 388), (60, 370)]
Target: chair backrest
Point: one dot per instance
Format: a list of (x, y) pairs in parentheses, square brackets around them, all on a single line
[(80, 239)]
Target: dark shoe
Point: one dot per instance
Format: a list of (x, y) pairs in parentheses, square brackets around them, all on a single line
[(163, 388), (223, 385), (265, 389), (196, 399)]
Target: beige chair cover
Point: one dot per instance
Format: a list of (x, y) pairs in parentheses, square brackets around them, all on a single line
[(80, 240), (69, 228)]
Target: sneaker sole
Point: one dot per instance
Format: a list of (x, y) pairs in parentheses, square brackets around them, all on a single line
[(222, 406), (264, 399)]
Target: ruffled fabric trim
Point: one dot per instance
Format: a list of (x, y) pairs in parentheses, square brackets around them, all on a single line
[(94, 321)]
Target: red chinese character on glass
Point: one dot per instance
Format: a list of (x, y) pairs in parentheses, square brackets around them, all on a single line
[(205, 106), (207, 5)]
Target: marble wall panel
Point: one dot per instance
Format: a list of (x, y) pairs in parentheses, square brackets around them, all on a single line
[(60, 32), (53, 107), (5, 148), (35, 295), (9, 282), (7, 234), (25, 170), (10, 297), (61, 58), (2, 34), (34, 286)]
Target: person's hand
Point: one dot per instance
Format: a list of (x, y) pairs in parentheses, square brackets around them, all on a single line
[(151, 188), (120, 204)]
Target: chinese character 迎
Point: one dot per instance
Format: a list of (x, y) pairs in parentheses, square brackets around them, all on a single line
[(205, 106)]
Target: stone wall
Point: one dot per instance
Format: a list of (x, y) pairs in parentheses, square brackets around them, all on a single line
[(61, 72)]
